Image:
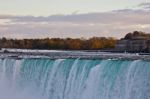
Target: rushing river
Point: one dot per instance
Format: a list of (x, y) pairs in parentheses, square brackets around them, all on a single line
[(74, 79)]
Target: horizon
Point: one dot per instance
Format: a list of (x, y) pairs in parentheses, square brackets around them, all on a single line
[(73, 19)]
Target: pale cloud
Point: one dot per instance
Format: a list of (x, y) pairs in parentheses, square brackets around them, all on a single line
[(144, 4), (114, 23)]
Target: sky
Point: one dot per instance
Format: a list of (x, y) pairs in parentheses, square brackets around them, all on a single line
[(73, 18)]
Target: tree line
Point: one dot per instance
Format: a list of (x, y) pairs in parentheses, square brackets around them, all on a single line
[(93, 43), (137, 34)]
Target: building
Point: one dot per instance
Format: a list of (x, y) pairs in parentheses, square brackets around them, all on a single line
[(134, 44)]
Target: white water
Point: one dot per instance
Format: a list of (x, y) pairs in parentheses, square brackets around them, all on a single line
[(74, 79)]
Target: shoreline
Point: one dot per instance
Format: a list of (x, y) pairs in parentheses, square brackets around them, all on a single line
[(75, 54)]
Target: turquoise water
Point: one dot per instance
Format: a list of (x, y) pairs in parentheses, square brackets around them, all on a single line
[(74, 79)]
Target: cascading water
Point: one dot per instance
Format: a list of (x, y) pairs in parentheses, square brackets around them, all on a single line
[(74, 79)]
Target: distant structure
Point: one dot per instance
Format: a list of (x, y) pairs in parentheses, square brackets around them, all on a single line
[(134, 42)]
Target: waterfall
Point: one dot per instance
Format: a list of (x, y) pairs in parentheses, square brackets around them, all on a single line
[(74, 79)]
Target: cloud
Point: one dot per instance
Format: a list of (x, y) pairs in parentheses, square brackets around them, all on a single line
[(145, 5), (113, 23)]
